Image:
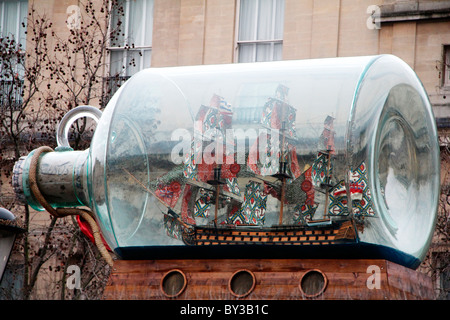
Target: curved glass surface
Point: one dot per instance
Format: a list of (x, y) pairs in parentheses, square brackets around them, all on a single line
[(394, 129), (95, 172), (268, 145)]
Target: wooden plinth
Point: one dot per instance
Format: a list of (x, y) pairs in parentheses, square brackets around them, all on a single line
[(267, 279)]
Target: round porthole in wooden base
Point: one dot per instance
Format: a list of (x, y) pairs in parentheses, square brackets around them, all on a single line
[(242, 283), (313, 283), (173, 283)]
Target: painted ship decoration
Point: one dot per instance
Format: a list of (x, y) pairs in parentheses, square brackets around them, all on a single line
[(204, 202)]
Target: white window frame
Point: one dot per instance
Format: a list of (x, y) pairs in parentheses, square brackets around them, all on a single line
[(126, 46), (255, 42), (446, 67)]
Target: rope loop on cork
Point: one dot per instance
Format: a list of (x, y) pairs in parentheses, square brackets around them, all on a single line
[(86, 214)]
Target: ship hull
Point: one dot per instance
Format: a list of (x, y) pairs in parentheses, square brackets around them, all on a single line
[(333, 240), (348, 250)]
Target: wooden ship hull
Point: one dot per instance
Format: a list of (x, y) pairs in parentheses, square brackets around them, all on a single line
[(329, 234)]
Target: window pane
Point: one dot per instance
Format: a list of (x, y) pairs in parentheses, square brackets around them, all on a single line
[(133, 62), (277, 51), (10, 20), (140, 23), (263, 52), (118, 24), (135, 23), (149, 23), (23, 23), (116, 62), (265, 15), (279, 19), (20, 68), (147, 58), (247, 20), (246, 52)]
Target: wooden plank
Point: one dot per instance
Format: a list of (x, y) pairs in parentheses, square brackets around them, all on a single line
[(408, 284)]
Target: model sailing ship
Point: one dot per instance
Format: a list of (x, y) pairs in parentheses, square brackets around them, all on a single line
[(204, 204)]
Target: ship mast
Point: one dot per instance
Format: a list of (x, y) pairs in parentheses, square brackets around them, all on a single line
[(282, 175), (217, 181), (327, 185), (328, 136)]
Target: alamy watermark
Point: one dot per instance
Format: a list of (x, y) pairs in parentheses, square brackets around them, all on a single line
[(374, 280), (373, 21), (214, 146), (74, 20), (73, 281)]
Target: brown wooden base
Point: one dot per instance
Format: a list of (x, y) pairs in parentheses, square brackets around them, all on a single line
[(268, 279)]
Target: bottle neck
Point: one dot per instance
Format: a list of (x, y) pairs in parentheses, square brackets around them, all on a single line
[(61, 177)]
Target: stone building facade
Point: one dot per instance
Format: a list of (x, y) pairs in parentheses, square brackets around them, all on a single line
[(192, 32)]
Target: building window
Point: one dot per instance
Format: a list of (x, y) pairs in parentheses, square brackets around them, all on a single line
[(13, 20), (260, 32), (131, 42), (446, 81)]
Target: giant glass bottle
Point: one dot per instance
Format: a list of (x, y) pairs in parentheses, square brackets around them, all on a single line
[(314, 158)]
